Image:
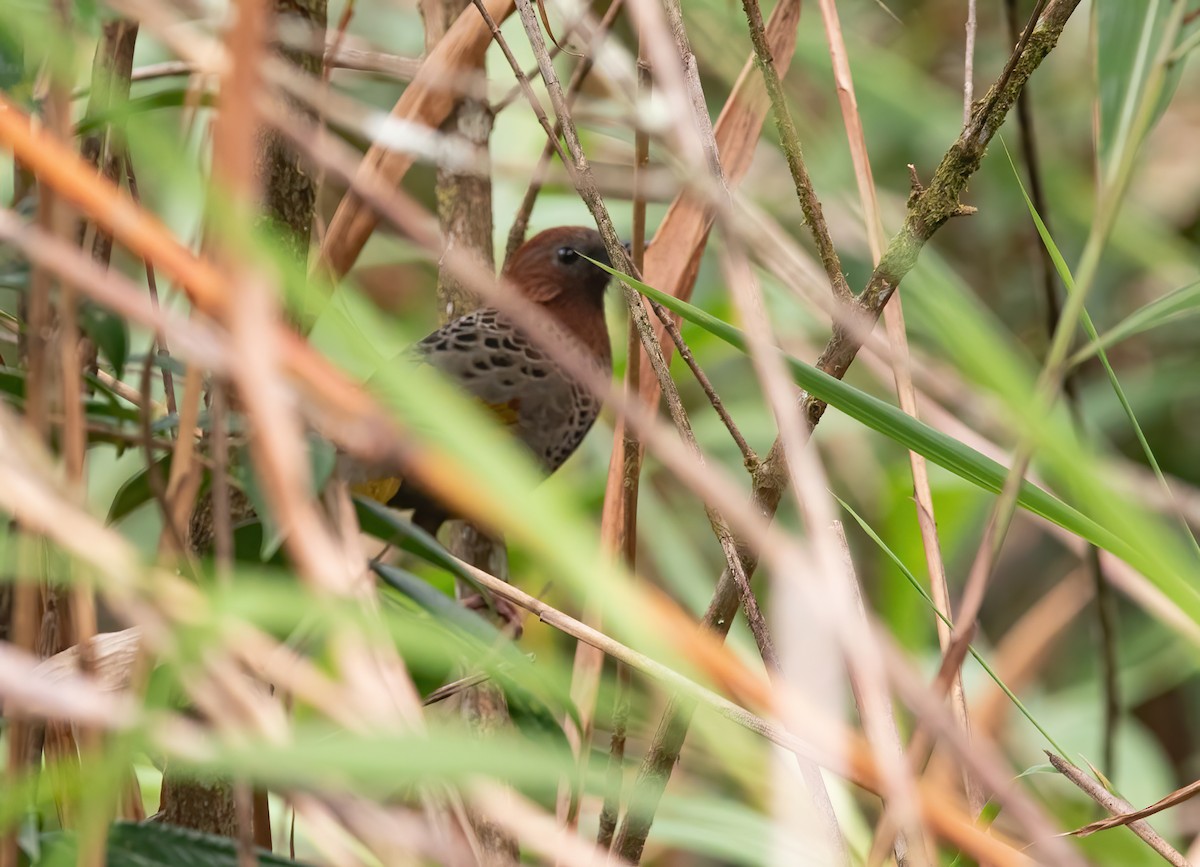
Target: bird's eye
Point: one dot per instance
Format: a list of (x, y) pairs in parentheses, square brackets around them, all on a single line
[(566, 255)]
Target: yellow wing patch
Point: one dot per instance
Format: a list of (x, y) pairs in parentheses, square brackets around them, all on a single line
[(506, 413), (382, 490), (379, 490)]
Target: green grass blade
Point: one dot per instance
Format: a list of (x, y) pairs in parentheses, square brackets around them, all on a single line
[(912, 579), (1064, 273), (896, 425), (1175, 305), (1129, 544)]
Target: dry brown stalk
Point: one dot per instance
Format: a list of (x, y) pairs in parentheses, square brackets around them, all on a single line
[(618, 518), (520, 223), (1184, 793), (1113, 804), (350, 417), (898, 341), (854, 758), (929, 209), (425, 101)]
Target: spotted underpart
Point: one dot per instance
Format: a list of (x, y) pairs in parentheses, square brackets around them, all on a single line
[(549, 411)]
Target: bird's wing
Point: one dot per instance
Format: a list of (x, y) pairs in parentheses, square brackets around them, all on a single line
[(489, 359)]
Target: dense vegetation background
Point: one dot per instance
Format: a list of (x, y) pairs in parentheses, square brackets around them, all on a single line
[(168, 478)]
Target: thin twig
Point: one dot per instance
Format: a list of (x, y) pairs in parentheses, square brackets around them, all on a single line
[(986, 759), (221, 514), (900, 362), (859, 769), (1049, 379), (161, 349), (1116, 805), (809, 203), (158, 487), (687, 90), (609, 812), (621, 504), (523, 81), (520, 223), (749, 458), (1166, 802), (585, 183), (622, 508), (981, 128), (928, 210), (969, 62), (869, 684), (708, 482)]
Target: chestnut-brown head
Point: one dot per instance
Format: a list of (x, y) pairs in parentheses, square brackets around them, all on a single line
[(550, 269)]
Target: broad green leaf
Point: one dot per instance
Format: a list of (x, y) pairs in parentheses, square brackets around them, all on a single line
[(438, 603), (387, 525), (243, 474), (12, 382), (528, 709), (137, 489), (16, 82), (322, 458), (173, 97), (109, 332), (152, 844)]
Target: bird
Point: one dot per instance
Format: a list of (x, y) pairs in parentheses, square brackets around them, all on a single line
[(547, 409)]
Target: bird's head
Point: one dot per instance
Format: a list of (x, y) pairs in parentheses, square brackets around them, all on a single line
[(551, 266)]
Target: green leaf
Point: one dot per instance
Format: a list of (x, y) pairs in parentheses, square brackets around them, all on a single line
[(1064, 273), (1175, 305), (950, 454), (945, 451), (527, 701), (1126, 33), (109, 332), (12, 382), (14, 269), (152, 844), (912, 579), (106, 408), (322, 458), (386, 525), (12, 63), (173, 97), (248, 544), (439, 604), (245, 477), (136, 491)]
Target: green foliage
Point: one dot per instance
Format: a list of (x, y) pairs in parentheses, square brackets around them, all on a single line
[(976, 322), (138, 489), (154, 845), (110, 333)]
